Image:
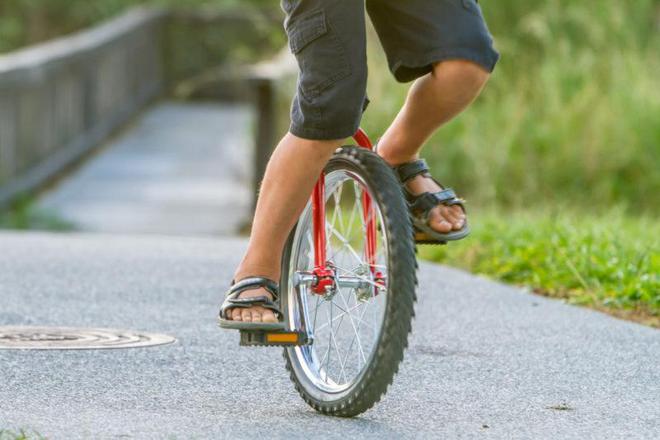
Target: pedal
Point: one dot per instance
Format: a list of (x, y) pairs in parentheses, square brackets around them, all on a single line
[(264, 338), (423, 238)]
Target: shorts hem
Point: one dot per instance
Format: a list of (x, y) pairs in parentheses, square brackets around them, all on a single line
[(411, 69), (318, 134)]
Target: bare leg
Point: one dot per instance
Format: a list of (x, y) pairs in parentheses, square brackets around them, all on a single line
[(432, 100), (290, 176)]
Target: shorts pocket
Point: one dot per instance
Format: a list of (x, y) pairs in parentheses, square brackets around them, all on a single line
[(321, 56)]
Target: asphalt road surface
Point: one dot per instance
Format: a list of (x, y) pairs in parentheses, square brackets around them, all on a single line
[(485, 360)]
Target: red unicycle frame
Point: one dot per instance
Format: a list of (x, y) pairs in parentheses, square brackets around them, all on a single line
[(323, 272)]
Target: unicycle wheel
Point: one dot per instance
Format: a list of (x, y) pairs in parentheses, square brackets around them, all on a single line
[(358, 326)]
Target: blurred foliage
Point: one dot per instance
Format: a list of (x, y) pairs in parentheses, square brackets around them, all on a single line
[(24, 22), (571, 114), (605, 262), (23, 214)]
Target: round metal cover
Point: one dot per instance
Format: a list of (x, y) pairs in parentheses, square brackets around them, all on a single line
[(68, 338)]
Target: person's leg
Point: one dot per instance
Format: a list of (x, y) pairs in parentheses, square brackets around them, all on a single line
[(447, 48), (328, 41), (288, 182), (432, 100)]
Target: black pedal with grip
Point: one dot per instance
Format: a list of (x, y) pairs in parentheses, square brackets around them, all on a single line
[(265, 338)]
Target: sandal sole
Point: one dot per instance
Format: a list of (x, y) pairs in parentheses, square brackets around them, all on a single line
[(229, 324), (423, 237)]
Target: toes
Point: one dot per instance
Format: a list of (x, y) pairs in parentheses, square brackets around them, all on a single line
[(256, 315), (448, 214), (447, 218), (268, 316), (438, 222), (458, 211), (457, 222), (454, 215), (440, 225), (444, 226), (460, 217)]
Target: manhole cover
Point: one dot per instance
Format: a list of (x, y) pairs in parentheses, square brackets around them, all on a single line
[(65, 338)]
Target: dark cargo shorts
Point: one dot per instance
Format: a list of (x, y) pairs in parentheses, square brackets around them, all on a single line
[(328, 39)]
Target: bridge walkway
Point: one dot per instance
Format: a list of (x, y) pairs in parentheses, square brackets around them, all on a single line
[(180, 168)]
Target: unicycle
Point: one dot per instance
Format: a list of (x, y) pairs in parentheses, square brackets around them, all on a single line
[(347, 288)]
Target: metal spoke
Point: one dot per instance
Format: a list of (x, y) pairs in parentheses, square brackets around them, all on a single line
[(355, 336), (327, 362), (334, 342), (346, 244), (350, 317), (366, 305), (337, 317)]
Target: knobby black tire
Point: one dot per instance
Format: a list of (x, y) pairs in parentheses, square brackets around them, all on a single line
[(402, 281)]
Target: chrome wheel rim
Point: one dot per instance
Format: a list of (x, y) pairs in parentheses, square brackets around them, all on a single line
[(346, 323)]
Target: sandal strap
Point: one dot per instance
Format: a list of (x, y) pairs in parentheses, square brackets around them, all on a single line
[(232, 299), (250, 283), (246, 303), (408, 170), (425, 202)]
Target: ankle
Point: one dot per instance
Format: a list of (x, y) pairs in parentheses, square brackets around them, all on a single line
[(393, 155), (245, 269), (397, 159)]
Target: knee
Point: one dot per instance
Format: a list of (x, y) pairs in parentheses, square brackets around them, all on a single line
[(469, 75)]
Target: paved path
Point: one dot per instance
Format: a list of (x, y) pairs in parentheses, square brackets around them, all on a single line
[(177, 159), (486, 360)]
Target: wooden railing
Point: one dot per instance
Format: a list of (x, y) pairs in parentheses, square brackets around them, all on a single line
[(60, 99)]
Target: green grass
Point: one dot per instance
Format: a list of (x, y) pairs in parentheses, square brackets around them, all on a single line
[(20, 435), (571, 113), (23, 215), (609, 261)]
